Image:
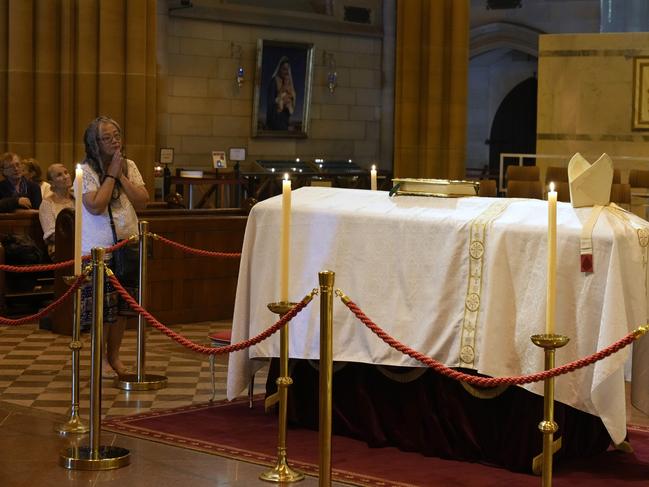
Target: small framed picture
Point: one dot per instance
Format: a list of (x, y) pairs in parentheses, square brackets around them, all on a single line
[(237, 153), (167, 155), (218, 159)]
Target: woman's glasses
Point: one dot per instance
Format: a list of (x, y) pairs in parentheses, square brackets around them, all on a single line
[(108, 138)]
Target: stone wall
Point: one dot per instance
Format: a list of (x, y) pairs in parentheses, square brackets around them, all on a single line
[(585, 97), (201, 108)]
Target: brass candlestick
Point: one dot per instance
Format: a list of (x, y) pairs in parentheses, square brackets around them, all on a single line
[(141, 381), (95, 456), (281, 472), (74, 425), (549, 343)]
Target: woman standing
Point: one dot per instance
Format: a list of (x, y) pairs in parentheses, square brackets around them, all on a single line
[(110, 181), (58, 198)]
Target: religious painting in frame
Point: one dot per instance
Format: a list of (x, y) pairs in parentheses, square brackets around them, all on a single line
[(282, 89), (640, 93)]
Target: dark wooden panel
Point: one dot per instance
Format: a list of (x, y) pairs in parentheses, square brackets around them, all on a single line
[(183, 287)]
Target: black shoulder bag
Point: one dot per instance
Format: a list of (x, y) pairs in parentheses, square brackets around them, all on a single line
[(126, 259)]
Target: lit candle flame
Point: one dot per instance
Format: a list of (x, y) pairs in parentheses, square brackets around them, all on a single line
[(285, 176), (551, 186)]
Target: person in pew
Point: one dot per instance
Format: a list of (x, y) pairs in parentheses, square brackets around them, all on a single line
[(11, 204), (112, 190), (58, 198), (15, 185), (32, 171)]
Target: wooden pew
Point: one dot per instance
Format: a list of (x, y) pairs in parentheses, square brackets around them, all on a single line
[(182, 287), (21, 222)]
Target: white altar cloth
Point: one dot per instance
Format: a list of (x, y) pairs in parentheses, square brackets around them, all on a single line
[(406, 262)]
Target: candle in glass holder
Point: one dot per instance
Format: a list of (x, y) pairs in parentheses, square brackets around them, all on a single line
[(550, 309), (373, 178), (286, 238), (78, 185)]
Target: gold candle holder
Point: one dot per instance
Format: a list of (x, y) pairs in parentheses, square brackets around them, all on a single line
[(281, 472), (548, 427), (141, 381), (74, 425), (95, 456)]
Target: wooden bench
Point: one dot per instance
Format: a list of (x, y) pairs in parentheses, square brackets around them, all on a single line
[(182, 287), (22, 222)]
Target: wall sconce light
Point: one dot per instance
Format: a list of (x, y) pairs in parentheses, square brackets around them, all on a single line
[(236, 54), (332, 75)]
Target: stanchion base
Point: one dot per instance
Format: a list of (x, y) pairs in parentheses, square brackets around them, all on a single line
[(282, 473), (150, 382), (107, 458), (537, 461), (72, 427)]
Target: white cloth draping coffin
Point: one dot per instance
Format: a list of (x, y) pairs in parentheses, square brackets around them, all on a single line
[(461, 280)]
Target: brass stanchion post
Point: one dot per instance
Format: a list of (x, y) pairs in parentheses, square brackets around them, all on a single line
[(74, 425), (548, 427), (281, 472), (140, 381), (95, 456), (326, 279)]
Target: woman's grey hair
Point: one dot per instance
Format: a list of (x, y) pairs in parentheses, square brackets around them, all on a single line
[(91, 142)]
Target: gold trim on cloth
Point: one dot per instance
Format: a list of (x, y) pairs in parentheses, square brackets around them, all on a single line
[(401, 374), (641, 231), (484, 392), (477, 247)]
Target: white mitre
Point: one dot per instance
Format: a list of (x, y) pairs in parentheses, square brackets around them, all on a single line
[(590, 184)]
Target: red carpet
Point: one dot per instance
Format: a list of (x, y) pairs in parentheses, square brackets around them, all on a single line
[(232, 430)]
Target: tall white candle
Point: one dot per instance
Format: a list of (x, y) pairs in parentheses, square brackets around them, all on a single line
[(550, 309), (286, 238), (78, 185), (373, 178)]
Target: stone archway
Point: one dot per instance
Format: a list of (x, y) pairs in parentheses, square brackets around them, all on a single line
[(497, 35), (498, 52)]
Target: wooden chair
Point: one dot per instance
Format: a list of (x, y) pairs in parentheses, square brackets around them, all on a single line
[(556, 174), (639, 183), (523, 173), (524, 189), (638, 178), (488, 188), (223, 338), (621, 194)]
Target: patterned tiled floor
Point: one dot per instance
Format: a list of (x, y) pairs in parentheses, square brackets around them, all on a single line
[(35, 371)]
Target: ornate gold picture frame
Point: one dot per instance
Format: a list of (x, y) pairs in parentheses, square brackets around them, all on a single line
[(640, 93)]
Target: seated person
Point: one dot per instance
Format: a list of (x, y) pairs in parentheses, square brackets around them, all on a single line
[(15, 185), (11, 204), (32, 171), (59, 197)]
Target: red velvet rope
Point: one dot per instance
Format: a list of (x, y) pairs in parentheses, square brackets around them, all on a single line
[(45, 311), (488, 381), (187, 343), (205, 253), (53, 267)]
